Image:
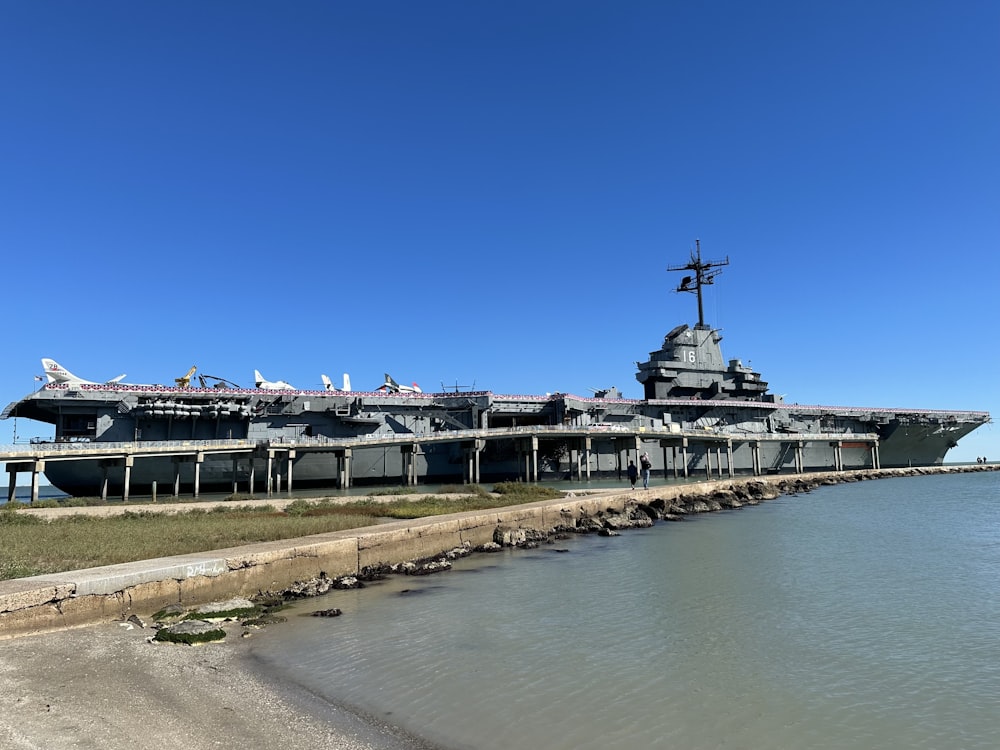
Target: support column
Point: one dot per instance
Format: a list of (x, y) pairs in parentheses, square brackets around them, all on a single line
[(177, 476), (587, 448), (235, 467), (528, 450), (104, 482), (729, 458), (684, 455), (270, 472), (36, 469), (252, 474), (409, 456), (291, 460), (755, 457), (798, 456), (344, 467), (480, 447), (126, 486), (472, 461), (708, 461), (199, 457)]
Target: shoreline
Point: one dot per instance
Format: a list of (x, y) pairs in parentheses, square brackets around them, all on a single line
[(368, 731), (107, 687)]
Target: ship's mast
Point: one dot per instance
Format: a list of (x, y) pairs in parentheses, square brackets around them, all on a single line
[(703, 275)]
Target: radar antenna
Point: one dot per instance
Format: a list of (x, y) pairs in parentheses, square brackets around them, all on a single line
[(704, 274), (456, 388)]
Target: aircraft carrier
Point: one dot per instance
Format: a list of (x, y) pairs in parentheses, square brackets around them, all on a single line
[(697, 409)]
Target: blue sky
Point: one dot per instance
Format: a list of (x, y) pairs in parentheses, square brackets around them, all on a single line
[(490, 193)]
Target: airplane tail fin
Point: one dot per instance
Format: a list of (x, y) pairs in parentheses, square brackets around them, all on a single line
[(257, 378), (56, 373), (416, 388), (328, 384)]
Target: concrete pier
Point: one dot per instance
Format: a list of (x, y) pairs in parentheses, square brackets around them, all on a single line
[(278, 458)]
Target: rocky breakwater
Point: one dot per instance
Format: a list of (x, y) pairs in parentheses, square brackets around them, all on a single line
[(620, 512)]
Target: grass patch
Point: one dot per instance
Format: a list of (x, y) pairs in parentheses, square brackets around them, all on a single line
[(464, 489), (395, 491), (85, 541), (32, 546), (12, 568), (527, 493)]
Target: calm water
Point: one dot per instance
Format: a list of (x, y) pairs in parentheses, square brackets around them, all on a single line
[(23, 494), (859, 616)]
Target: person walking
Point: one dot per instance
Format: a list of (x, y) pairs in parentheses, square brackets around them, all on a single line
[(633, 473), (647, 465)]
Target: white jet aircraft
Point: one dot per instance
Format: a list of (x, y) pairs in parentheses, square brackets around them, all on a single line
[(268, 385), (392, 386), (328, 384), (56, 373)]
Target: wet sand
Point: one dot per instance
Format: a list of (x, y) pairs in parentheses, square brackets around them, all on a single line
[(107, 687)]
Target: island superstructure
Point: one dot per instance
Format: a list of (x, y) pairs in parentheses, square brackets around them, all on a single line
[(697, 409)]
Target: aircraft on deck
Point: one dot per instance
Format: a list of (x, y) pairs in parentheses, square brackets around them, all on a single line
[(269, 385), (328, 384), (391, 386), (212, 381), (56, 373)]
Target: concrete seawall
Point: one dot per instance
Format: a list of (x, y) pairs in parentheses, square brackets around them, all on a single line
[(113, 592)]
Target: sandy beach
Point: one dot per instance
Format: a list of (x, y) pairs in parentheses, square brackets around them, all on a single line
[(107, 687)]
